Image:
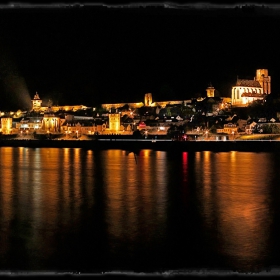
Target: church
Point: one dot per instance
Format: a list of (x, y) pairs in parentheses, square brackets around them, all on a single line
[(247, 91)]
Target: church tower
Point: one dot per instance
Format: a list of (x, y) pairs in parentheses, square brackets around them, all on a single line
[(264, 80), (148, 99), (210, 91), (114, 122), (36, 102)]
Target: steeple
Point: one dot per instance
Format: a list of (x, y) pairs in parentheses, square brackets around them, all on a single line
[(264, 80), (36, 102), (210, 90)]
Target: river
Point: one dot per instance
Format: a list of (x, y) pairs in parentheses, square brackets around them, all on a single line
[(79, 210)]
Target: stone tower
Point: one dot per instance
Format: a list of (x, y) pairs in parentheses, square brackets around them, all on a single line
[(148, 99), (114, 122), (210, 91), (6, 125), (36, 102), (264, 80)]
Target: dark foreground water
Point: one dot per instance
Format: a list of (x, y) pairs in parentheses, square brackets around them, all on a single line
[(75, 210)]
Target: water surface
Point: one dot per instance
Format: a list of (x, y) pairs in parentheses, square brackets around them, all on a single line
[(91, 211)]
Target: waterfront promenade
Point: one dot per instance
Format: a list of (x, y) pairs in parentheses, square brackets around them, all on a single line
[(139, 144)]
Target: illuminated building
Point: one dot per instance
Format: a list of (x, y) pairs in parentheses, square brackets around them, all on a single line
[(229, 128), (210, 91), (36, 102), (148, 99), (6, 125), (79, 125), (219, 103), (51, 123), (108, 106), (247, 91), (37, 106), (114, 122), (29, 124), (264, 80), (148, 102)]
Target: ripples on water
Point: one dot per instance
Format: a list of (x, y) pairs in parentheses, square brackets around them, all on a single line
[(93, 211)]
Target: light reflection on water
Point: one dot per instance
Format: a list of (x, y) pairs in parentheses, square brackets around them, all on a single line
[(235, 198), (103, 210)]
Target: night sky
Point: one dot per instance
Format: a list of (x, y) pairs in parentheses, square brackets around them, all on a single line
[(92, 54)]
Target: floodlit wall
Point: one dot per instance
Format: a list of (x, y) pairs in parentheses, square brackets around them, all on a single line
[(114, 122), (6, 125)]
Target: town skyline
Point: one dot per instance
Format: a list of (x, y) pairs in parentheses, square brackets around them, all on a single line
[(94, 55)]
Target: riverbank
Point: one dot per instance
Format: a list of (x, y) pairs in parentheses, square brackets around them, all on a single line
[(140, 144)]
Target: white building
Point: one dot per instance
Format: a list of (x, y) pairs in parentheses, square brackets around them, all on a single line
[(247, 91)]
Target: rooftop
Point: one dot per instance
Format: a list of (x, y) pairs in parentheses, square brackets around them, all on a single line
[(248, 83), (252, 94)]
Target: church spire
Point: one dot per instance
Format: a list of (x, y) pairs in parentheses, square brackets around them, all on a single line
[(210, 90), (36, 102)]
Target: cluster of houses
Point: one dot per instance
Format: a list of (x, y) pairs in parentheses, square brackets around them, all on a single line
[(154, 118)]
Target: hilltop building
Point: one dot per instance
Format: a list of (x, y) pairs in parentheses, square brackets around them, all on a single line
[(210, 91), (148, 99), (148, 102), (36, 102), (37, 106), (247, 91)]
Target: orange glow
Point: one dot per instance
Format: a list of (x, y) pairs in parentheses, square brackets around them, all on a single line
[(6, 125), (145, 181), (6, 180), (234, 198), (114, 122)]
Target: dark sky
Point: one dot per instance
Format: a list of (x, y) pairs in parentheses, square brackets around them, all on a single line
[(92, 54)]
